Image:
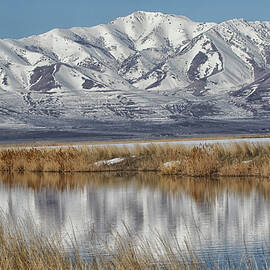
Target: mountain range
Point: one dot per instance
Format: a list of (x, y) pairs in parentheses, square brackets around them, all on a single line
[(148, 66)]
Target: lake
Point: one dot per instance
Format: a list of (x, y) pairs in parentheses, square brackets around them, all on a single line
[(218, 217)]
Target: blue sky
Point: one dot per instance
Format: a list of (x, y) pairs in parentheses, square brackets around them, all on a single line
[(20, 18)]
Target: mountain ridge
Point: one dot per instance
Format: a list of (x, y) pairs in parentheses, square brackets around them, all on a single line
[(147, 66)]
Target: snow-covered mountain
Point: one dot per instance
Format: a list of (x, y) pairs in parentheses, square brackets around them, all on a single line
[(146, 66)]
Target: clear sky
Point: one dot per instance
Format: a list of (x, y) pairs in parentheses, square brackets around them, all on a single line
[(20, 18)]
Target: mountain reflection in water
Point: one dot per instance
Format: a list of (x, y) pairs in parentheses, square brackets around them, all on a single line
[(216, 214)]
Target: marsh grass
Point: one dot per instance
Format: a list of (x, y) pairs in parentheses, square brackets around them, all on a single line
[(238, 159), (24, 246)]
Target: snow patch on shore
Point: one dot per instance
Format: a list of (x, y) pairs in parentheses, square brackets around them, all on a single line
[(171, 163), (109, 161)]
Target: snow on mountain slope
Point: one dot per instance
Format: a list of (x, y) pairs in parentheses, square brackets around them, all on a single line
[(157, 30), (146, 66)]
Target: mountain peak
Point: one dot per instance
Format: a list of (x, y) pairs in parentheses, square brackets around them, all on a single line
[(149, 15)]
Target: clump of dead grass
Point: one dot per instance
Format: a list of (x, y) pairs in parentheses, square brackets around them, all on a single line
[(239, 159)]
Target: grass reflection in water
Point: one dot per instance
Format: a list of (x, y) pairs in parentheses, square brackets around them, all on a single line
[(200, 189), (20, 244)]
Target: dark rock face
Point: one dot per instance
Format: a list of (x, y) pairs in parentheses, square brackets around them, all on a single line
[(161, 76), (129, 63), (89, 84), (255, 91), (198, 87), (199, 59), (255, 96), (267, 54), (43, 78), (90, 64), (86, 43), (34, 49), (5, 81)]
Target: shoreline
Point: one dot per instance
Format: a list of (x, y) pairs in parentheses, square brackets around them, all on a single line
[(216, 159), (67, 143)]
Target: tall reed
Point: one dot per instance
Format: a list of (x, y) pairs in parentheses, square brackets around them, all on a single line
[(23, 246)]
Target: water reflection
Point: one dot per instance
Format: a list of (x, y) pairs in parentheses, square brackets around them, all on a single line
[(218, 214)]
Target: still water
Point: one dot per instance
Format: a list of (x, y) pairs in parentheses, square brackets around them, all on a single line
[(225, 217)]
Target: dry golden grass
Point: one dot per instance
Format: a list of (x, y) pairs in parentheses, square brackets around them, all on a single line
[(239, 159), (24, 247)]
